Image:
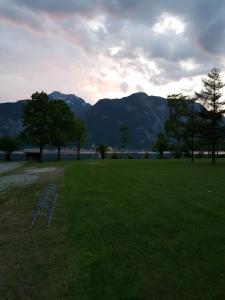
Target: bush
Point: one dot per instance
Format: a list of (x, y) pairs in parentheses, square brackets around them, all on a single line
[(160, 156), (200, 154), (129, 157), (146, 155), (114, 155), (8, 144)]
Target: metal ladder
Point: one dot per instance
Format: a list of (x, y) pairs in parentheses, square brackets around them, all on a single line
[(45, 205)]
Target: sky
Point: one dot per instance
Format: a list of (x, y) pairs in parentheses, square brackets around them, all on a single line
[(109, 48)]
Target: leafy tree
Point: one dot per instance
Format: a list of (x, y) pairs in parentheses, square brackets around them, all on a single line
[(124, 131), (78, 134), (160, 144), (36, 121), (61, 123), (211, 125), (8, 144), (102, 150), (176, 124), (114, 155)]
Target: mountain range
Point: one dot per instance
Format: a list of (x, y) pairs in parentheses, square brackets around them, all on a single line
[(144, 115)]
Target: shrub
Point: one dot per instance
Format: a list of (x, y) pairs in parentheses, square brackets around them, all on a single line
[(200, 154), (114, 155), (146, 155)]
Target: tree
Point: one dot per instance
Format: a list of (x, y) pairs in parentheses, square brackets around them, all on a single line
[(176, 124), (192, 139), (36, 121), (102, 150), (124, 130), (78, 134), (61, 123), (8, 144), (192, 130), (160, 144), (211, 126)]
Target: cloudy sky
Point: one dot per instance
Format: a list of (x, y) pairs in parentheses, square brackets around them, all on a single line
[(108, 48)]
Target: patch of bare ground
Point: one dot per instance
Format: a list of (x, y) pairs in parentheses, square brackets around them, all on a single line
[(9, 166), (33, 264), (26, 177)]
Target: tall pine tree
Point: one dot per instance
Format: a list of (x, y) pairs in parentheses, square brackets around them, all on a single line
[(211, 125)]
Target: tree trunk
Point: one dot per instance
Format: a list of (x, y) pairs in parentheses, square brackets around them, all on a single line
[(102, 154), (59, 148), (122, 153), (192, 131), (214, 141), (178, 150), (192, 150), (214, 130), (213, 152), (7, 156), (41, 153), (78, 153), (209, 150)]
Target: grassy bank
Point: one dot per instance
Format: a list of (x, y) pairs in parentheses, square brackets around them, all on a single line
[(130, 229)]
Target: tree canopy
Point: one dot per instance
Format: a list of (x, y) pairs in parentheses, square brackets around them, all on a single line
[(160, 144), (8, 144), (78, 134), (62, 119), (48, 122), (36, 120), (176, 124), (124, 131)]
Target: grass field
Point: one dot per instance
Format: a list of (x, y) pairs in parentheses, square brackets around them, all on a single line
[(122, 229)]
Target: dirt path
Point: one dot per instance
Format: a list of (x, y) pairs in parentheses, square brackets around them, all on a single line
[(5, 167), (25, 177)]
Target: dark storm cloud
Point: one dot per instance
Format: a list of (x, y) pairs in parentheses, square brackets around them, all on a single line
[(19, 16), (120, 33), (204, 18), (60, 7)]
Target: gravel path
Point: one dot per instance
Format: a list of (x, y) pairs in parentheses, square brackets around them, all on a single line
[(26, 177), (5, 167)]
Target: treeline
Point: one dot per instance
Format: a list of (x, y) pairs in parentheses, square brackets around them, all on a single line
[(47, 122), (52, 123), (195, 124)]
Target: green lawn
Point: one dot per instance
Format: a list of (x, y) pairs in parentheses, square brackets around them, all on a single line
[(130, 229)]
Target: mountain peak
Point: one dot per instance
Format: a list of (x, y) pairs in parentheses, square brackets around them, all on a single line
[(139, 94), (58, 95), (77, 104)]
